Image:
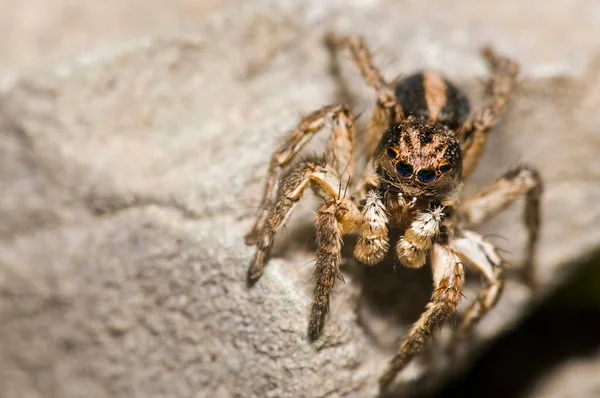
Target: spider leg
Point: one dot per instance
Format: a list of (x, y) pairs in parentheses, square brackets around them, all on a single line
[(362, 58), (339, 156), (334, 218), (474, 131), (372, 245), (448, 278), (387, 110), (522, 180), (412, 248), (294, 185), (482, 255)]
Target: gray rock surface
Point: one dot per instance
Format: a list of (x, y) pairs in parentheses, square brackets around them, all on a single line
[(130, 174)]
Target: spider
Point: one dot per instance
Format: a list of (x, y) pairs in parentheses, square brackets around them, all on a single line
[(423, 142)]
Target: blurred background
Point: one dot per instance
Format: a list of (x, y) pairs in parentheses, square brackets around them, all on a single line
[(38, 32), (553, 352)]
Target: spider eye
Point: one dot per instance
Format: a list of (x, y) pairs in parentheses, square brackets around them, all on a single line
[(445, 168), (426, 175), (404, 169), (391, 153)]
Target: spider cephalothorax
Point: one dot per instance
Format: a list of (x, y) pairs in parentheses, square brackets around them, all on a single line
[(427, 142), (419, 166), (419, 158)]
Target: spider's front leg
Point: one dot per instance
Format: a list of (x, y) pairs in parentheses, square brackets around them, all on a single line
[(292, 190), (474, 131), (448, 278), (339, 155), (335, 218)]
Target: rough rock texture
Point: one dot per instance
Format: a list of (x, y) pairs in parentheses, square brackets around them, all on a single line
[(130, 174)]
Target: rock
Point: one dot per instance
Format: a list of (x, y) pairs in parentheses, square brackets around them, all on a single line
[(130, 174), (574, 378), (37, 33)]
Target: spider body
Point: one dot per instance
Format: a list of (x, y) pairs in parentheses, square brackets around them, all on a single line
[(423, 142), (428, 95), (418, 163)]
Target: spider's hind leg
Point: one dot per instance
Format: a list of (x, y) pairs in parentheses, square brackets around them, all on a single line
[(474, 131), (387, 110), (292, 190)]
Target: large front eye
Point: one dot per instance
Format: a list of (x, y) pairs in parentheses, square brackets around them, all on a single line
[(404, 169), (426, 175)]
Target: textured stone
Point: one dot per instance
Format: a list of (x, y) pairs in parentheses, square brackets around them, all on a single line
[(130, 174)]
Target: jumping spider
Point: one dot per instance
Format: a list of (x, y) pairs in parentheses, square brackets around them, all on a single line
[(424, 142)]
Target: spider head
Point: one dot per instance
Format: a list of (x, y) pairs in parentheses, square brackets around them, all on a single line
[(419, 158)]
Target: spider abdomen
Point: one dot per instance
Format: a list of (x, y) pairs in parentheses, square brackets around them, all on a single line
[(428, 95)]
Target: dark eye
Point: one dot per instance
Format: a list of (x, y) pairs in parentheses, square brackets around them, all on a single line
[(426, 175), (404, 169), (391, 153), (445, 168)]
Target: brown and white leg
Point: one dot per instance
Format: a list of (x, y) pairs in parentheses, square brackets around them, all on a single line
[(340, 155), (293, 188), (334, 218), (522, 180), (473, 133), (448, 277), (387, 110), (372, 245), (482, 255), (412, 248)]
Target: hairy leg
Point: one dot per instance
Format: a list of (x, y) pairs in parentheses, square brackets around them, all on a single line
[(412, 248), (372, 245), (293, 187), (448, 277), (482, 255), (473, 133), (334, 218), (522, 180), (387, 110), (339, 154)]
